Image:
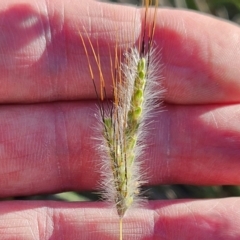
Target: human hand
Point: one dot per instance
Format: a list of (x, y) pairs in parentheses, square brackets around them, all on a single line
[(46, 121)]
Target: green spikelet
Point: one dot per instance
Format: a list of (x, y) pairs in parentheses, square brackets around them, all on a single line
[(123, 121), (122, 148)]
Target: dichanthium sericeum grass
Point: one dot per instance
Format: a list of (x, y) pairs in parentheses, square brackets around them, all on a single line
[(136, 92)]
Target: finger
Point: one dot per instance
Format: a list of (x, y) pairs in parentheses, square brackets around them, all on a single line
[(199, 64), (52, 147), (42, 56), (196, 145), (185, 219)]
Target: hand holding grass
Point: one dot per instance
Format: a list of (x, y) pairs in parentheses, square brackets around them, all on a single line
[(46, 130)]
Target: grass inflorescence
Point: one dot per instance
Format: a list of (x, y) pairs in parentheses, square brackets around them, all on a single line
[(136, 90)]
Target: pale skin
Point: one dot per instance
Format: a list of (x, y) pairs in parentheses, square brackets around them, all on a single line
[(47, 118)]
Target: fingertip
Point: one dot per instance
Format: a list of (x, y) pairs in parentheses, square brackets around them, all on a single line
[(199, 64)]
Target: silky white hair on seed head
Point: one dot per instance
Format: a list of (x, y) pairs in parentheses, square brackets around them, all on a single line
[(123, 124)]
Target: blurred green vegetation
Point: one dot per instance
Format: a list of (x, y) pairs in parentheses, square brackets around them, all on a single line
[(227, 9)]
